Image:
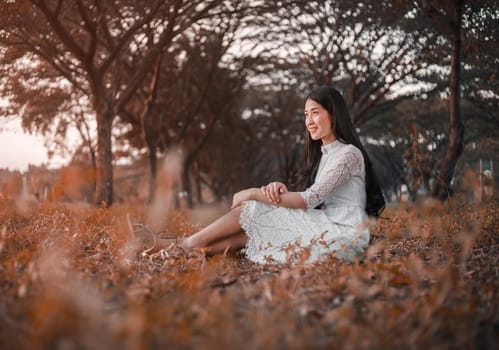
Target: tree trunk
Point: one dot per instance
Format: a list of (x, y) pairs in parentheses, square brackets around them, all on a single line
[(94, 167), (456, 134), (150, 127), (84, 131), (176, 198), (151, 139), (199, 189), (153, 166), (186, 183), (104, 174)]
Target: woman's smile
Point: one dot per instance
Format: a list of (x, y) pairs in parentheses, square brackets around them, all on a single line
[(312, 129), (318, 122)]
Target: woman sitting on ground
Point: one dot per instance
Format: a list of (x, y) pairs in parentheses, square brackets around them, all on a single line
[(273, 224)]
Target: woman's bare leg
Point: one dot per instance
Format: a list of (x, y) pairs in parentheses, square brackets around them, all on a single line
[(231, 243), (219, 230), (223, 233)]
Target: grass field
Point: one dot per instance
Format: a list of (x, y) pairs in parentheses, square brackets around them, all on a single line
[(69, 280)]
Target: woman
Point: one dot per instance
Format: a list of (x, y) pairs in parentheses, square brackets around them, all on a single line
[(276, 225)]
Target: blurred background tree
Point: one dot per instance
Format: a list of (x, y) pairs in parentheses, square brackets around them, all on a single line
[(225, 81), (90, 44)]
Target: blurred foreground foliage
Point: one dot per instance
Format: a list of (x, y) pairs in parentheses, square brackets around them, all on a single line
[(70, 280)]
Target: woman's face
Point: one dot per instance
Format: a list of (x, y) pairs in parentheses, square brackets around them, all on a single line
[(318, 122)]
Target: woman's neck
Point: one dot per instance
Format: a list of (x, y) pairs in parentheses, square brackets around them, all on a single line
[(329, 139)]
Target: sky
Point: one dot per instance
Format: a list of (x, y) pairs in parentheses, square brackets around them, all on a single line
[(19, 149)]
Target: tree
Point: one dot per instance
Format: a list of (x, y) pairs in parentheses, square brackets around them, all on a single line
[(368, 49), (49, 107), (89, 43), (180, 105), (276, 116), (449, 20), (479, 83), (470, 28)]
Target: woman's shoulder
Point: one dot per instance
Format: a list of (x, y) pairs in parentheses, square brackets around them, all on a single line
[(349, 149)]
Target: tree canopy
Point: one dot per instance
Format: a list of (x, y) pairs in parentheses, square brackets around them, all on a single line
[(225, 81)]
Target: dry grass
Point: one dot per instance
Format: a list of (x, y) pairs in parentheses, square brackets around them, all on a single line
[(68, 280)]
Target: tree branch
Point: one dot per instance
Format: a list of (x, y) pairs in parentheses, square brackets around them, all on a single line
[(125, 38), (60, 31), (443, 22)]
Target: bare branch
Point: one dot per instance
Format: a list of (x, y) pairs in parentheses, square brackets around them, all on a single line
[(92, 30), (125, 38), (60, 31)]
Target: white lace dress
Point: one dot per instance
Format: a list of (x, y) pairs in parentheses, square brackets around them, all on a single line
[(279, 235)]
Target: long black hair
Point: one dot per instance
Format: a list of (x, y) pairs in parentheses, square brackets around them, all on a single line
[(332, 100)]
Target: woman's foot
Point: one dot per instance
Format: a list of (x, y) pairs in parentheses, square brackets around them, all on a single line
[(148, 241), (167, 244)]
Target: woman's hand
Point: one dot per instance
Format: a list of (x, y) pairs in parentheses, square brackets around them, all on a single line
[(242, 196), (274, 190)]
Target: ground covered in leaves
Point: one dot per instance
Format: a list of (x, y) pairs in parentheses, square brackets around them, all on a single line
[(70, 280)]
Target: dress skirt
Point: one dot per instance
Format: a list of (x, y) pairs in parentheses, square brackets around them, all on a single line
[(284, 235)]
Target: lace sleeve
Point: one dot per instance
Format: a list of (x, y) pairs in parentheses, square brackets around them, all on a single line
[(339, 170)]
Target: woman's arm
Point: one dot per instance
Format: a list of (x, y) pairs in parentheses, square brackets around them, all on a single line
[(288, 199)]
